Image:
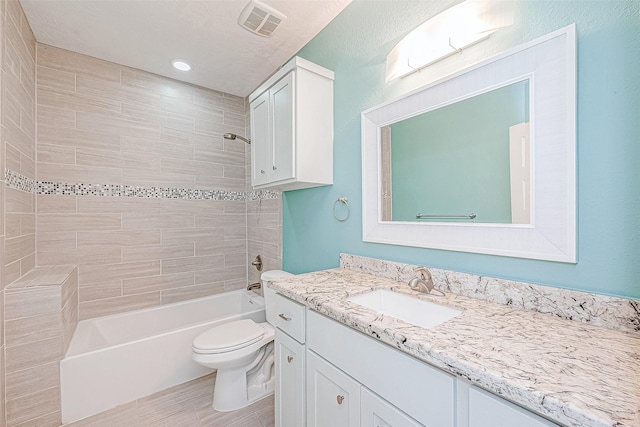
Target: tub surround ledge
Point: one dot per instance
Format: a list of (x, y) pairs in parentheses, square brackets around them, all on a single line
[(571, 372)]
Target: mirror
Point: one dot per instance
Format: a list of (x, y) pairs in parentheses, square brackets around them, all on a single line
[(466, 161), (546, 67)]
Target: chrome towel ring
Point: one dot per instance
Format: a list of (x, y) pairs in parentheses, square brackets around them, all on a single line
[(346, 203)]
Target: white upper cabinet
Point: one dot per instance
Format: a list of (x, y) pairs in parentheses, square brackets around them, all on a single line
[(292, 128)]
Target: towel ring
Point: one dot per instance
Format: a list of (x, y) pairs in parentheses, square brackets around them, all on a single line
[(341, 200)]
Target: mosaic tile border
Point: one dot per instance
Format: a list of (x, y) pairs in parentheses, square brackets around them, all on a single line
[(599, 310), (20, 182)]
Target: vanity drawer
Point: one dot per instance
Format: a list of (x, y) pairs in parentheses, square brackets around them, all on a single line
[(289, 317)]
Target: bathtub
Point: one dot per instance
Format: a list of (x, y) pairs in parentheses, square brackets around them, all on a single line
[(117, 359)]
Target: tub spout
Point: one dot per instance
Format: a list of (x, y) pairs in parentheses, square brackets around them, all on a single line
[(253, 286)]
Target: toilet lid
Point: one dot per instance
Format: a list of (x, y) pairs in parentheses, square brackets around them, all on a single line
[(229, 336)]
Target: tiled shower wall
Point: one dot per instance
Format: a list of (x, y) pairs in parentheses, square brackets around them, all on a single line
[(101, 123), (17, 151)]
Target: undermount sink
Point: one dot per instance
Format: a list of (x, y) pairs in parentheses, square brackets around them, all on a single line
[(411, 310)]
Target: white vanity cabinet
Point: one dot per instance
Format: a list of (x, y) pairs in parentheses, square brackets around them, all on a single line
[(353, 380), (488, 410), (292, 128), (290, 362)]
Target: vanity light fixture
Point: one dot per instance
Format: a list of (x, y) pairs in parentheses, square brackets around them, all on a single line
[(447, 33), (181, 65)]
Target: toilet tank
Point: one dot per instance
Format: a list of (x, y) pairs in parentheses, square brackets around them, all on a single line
[(269, 294)]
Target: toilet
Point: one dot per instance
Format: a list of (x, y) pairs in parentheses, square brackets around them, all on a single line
[(243, 353)]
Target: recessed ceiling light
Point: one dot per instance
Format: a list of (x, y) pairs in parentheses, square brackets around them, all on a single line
[(181, 65)]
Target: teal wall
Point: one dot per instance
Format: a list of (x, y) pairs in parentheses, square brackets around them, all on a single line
[(455, 160), (355, 45)]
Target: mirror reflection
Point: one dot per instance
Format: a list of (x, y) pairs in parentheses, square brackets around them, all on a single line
[(468, 161)]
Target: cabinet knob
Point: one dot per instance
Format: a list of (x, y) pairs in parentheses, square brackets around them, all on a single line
[(340, 399), (289, 359), (274, 167), (282, 316), (261, 170)]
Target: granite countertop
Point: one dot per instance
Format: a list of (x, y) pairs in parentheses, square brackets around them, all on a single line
[(573, 373)]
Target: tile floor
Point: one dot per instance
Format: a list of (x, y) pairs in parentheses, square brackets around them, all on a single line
[(185, 405)]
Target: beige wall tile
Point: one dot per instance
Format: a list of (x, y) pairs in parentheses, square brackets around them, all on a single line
[(35, 328), (109, 272), (145, 178), (56, 154), (147, 253), (181, 265), (220, 183), (118, 238), (56, 79), (64, 60), (190, 235), (18, 138), (109, 158), (52, 97), (157, 283), (18, 201), (85, 256), (135, 221), (141, 80), (17, 248), (27, 381), (221, 247), (12, 221), (33, 406), (191, 167), (97, 204), (55, 241), (69, 137), (190, 292), (162, 149), (52, 116), (78, 222), (214, 220), (117, 125), (107, 306), (33, 354), (102, 290), (108, 89), (32, 302), (56, 204), (78, 174)]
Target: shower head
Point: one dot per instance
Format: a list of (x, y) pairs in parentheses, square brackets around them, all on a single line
[(234, 136)]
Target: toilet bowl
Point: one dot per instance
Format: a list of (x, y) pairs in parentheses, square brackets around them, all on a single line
[(243, 354)]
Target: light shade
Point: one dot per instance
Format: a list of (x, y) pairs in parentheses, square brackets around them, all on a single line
[(447, 33), (181, 65)]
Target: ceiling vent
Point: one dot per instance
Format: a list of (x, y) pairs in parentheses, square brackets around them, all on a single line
[(260, 19)]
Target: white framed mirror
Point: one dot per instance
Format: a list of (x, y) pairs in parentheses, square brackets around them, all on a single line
[(533, 213)]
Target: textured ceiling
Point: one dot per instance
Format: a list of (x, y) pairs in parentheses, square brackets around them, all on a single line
[(148, 34)]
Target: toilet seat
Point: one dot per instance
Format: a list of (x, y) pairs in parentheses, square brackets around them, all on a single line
[(228, 337)]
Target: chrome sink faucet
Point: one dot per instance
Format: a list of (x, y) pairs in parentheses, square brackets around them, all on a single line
[(424, 283)]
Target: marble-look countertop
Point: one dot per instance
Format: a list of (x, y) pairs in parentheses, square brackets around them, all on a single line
[(570, 372)]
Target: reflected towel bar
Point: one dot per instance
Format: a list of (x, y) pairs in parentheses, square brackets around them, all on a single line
[(470, 216)]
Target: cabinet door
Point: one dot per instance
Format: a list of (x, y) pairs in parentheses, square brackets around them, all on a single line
[(282, 108), (333, 398), (377, 412), (289, 390), (260, 140), (487, 410)]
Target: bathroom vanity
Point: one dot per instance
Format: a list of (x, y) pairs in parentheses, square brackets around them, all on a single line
[(491, 365)]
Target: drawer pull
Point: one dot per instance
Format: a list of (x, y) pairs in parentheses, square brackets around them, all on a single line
[(282, 316), (340, 399), (289, 359)]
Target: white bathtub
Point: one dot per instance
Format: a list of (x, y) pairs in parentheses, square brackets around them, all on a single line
[(116, 359)]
